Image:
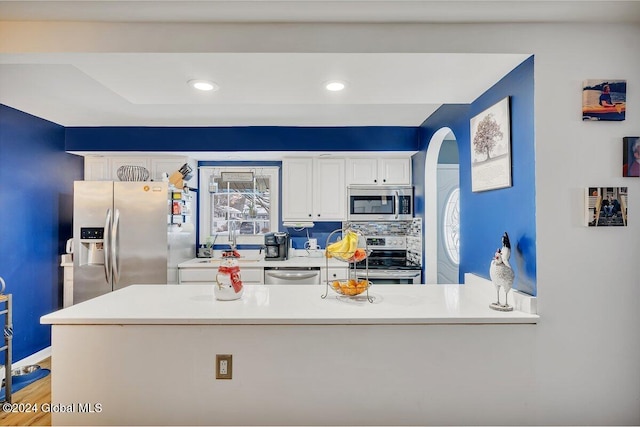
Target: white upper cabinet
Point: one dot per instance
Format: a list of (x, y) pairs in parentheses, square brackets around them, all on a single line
[(313, 189), (106, 168), (329, 196), (297, 189), (379, 171), (96, 169)]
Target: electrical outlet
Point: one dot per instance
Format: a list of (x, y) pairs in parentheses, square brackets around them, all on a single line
[(223, 366)]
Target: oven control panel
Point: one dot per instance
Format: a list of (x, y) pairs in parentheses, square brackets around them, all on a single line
[(386, 242)]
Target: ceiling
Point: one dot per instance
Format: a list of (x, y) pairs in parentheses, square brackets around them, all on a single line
[(266, 89)]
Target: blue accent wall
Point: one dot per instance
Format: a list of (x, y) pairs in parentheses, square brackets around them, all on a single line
[(486, 215), (36, 207), (253, 138)]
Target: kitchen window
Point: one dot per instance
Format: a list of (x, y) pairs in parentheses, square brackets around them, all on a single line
[(243, 200)]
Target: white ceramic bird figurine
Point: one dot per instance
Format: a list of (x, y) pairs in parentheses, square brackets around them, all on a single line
[(501, 273)]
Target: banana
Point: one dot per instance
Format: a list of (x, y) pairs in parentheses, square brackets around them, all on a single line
[(344, 248), (353, 243), (336, 248)]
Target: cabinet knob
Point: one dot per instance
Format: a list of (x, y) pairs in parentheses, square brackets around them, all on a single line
[(384, 180), (318, 215), (375, 180), (310, 215)]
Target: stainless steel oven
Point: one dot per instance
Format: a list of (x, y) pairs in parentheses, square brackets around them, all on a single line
[(388, 262), (382, 203)]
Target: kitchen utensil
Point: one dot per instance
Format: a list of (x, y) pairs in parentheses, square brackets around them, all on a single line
[(186, 171)]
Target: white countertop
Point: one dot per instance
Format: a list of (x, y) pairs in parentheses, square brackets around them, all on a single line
[(289, 304), (301, 261)]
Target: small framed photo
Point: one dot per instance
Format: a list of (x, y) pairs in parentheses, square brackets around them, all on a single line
[(631, 156), (606, 207), (491, 148), (604, 99)]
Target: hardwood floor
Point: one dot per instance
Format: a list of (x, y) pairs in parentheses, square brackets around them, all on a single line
[(34, 394)]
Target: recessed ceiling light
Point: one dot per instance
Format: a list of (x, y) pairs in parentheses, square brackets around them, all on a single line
[(334, 85), (203, 85)]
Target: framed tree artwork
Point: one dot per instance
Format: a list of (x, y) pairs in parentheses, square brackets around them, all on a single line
[(491, 148)]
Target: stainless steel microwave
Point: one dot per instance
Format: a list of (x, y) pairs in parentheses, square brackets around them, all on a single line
[(380, 203)]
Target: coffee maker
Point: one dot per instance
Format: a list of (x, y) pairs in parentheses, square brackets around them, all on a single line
[(276, 246)]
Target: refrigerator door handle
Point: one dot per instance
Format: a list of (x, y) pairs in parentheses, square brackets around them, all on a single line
[(115, 247), (107, 246)]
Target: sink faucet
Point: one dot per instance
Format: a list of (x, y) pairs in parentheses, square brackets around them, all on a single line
[(232, 235)]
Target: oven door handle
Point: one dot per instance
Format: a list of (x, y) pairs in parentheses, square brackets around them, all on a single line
[(397, 207), (395, 274)]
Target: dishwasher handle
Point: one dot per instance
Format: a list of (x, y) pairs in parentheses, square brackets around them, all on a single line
[(292, 275)]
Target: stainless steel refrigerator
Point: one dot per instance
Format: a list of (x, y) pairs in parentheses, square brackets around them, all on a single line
[(122, 237)]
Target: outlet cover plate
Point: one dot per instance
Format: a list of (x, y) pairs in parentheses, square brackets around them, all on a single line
[(219, 359)]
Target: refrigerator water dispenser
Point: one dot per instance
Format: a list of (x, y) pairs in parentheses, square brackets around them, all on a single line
[(91, 246)]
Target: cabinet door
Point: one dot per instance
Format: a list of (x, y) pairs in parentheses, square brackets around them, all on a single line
[(116, 162), (334, 273), (251, 275), (193, 276), (394, 171), (329, 197), (362, 171), (297, 189), (96, 169)]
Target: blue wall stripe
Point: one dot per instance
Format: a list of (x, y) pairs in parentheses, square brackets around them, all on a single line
[(252, 138)]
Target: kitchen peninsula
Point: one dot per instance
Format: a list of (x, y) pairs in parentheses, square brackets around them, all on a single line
[(146, 354)]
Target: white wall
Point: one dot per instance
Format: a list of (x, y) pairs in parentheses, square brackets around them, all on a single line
[(584, 355)]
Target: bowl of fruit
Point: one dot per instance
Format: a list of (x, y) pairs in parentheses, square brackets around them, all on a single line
[(350, 287)]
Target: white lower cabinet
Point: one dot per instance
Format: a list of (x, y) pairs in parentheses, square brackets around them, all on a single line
[(334, 273), (207, 275)]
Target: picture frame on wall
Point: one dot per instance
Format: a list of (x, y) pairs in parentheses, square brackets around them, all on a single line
[(606, 206), (631, 156), (491, 148), (604, 100)]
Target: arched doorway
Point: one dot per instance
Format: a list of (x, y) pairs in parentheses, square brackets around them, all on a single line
[(442, 219)]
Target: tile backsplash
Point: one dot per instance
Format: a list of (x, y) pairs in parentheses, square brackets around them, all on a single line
[(411, 229), (379, 228)]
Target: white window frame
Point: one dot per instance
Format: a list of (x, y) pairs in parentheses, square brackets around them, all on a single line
[(204, 203)]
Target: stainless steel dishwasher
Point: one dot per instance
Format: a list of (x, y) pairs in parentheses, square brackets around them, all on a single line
[(292, 275)]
